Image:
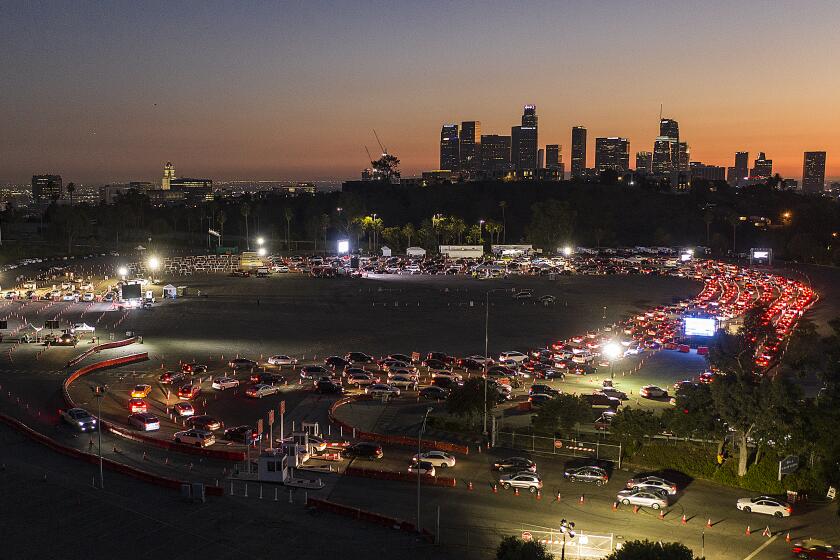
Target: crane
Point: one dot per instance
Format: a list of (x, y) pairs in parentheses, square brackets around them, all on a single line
[(383, 148)]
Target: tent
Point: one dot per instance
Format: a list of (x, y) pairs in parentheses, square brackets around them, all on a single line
[(415, 252), (386, 251), (170, 291)]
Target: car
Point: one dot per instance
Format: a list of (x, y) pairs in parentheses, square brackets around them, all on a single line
[(530, 481), (222, 383), (80, 419), (448, 374), (653, 392), (446, 383), (600, 399), (424, 467), (360, 379), (359, 358), (516, 464), (512, 355), (590, 473), (241, 434), (440, 459), (434, 392), (171, 377), (88, 296), (141, 391), (523, 295), (653, 484), (539, 399), (815, 549), (364, 450), (194, 368), (282, 360), (189, 391), (613, 392), (196, 437), (313, 372), (546, 299), (144, 421), (605, 420), (404, 382), (242, 363), (400, 358), (183, 410), (442, 357), (336, 362), (382, 389), (261, 390), (205, 422), (641, 498), (437, 365), (329, 387), (766, 505), (541, 389), (137, 405)]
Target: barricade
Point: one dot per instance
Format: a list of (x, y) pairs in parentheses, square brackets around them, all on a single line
[(445, 482), (367, 516), (99, 348)]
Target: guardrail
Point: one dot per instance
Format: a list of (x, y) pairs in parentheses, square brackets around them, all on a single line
[(100, 347), (130, 435), (446, 482), (389, 439), (368, 516), (144, 476)]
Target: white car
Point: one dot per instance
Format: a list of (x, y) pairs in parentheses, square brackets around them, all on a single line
[(360, 379), (653, 392), (381, 389), (766, 505), (642, 498), (529, 480), (199, 438), (144, 421), (282, 360), (260, 391), (512, 355), (481, 360), (440, 459), (80, 419), (448, 375), (68, 297), (88, 296), (653, 484), (222, 383), (423, 468), (404, 382)]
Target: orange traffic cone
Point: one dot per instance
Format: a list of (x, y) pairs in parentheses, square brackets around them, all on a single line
[(661, 514), (684, 520), (787, 537), (516, 491), (582, 500), (709, 522), (615, 506), (557, 499), (635, 509), (766, 532), (469, 486), (539, 494), (495, 489), (747, 532)]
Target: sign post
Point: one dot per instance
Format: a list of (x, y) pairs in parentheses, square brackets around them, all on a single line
[(260, 432), (282, 413), (788, 465), (271, 428)]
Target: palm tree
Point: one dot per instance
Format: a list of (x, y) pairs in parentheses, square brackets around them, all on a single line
[(245, 210), (288, 214), (325, 224), (222, 218), (408, 232), (734, 220), (708, 217), (503, 205), (71, 188)]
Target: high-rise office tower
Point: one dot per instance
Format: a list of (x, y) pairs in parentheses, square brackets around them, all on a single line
[(685, 156), (449, 148), (524, 140), (541, 158), (553, 156), (46, 188), (669, 128), (495, 153), (470, 146), (612, 153), (813, 172), (578, 151), (644, 161), (742, 166), (662, 150), (168, 175), (762, 167)]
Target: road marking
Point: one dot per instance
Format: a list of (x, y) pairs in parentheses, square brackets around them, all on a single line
[(755, 552)]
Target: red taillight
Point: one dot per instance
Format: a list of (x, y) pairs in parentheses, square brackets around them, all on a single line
[(790, 510)]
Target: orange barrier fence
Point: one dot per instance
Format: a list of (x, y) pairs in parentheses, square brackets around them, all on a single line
[(100, 347), (445, 482), (368, 516)]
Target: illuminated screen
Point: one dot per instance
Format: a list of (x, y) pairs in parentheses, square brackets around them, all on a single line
[(760, 254), (343, 247), (131, 291), (700, 327)]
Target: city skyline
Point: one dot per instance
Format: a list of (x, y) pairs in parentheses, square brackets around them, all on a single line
[(285, 90)]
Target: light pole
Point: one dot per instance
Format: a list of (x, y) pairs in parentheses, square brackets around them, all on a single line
[(99, 391), (419, 438), (566, 528)]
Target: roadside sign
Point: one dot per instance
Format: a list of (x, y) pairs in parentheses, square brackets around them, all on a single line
[(259, 426), (788, 465), (271, 417), (282, 408), (415, 356), (558, 444), (527, 536), (832, 493)]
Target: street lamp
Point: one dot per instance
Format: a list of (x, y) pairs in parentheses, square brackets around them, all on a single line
[(99, 392), (566, 528), (612, 351), (260, 241), (567, 251), (419, 438), (262, 251), (123, 271)]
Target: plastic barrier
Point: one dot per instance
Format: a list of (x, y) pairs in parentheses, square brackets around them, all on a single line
[(389, 439), (445, 482), (100, 347), (108, 463), (135, 436), (368, 516)]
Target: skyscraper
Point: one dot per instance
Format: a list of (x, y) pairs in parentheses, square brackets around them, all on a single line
[(667, 154), (762, 167), (612, 153), (813, 172), (46, 188), (495, 153), (524, 140), (168, 175), (470, 146), (662, 150), (541, 158), (449, 148), (553, 155), (742, 166), (578, 151), (644, 161), (685, 156)]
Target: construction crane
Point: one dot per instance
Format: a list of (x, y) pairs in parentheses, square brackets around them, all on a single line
[(383, 148), (368, 154)]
